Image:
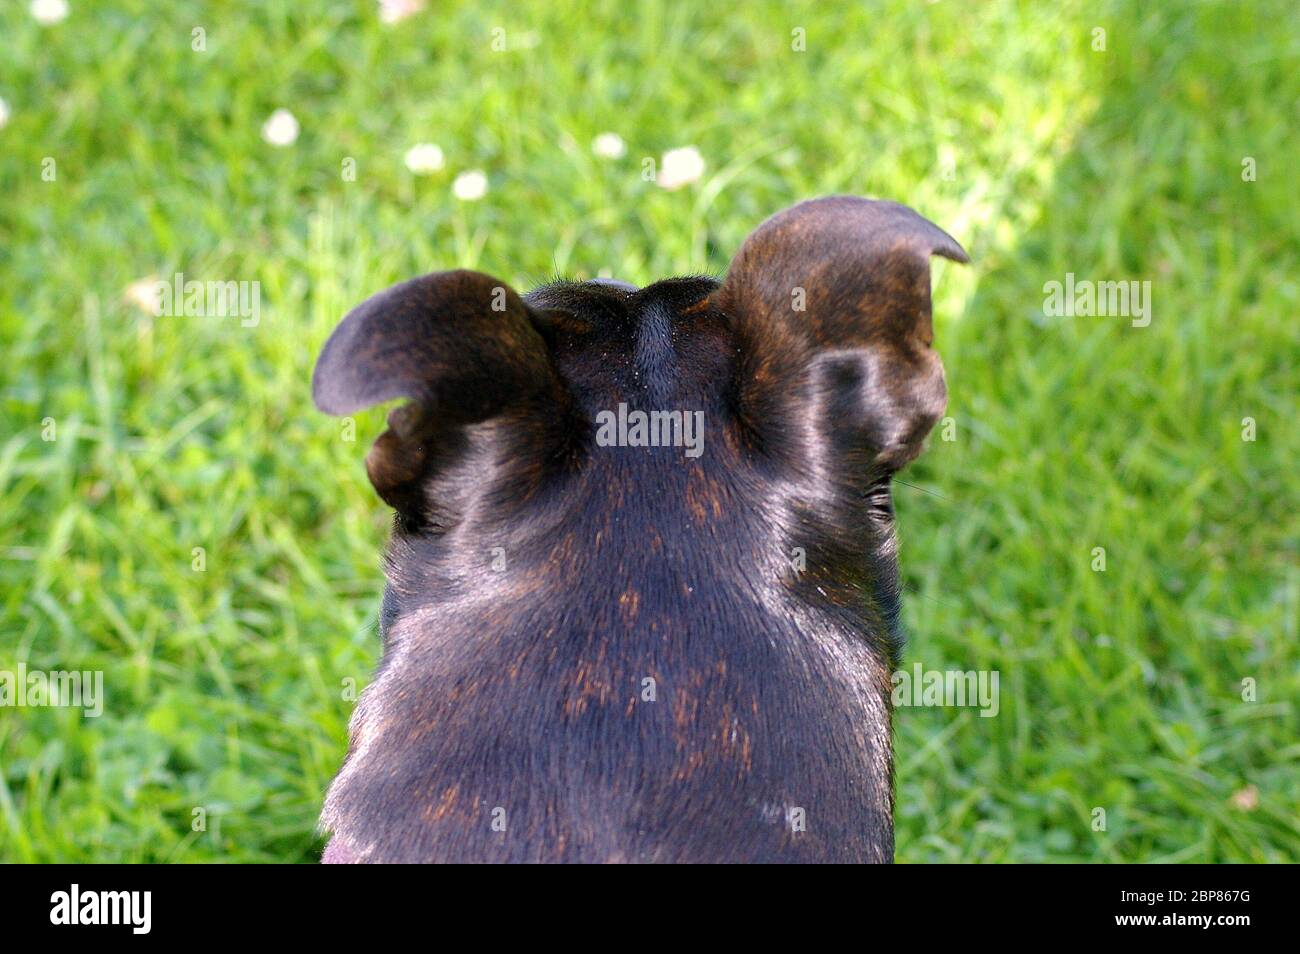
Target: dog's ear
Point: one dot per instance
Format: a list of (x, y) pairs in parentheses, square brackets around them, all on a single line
[(836, 292), (462, 346)]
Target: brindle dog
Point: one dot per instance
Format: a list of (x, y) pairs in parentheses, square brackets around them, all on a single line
[(596, 650)]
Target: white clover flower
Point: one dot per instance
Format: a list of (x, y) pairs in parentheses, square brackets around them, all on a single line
[(49, 12), (424, 158), (281, 129), (609, 145), (394, 11), (680, 167), (144, 294), (4, 114), (470, 186)]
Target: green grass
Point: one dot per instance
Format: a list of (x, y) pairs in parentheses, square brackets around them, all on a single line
[(1121, 689)]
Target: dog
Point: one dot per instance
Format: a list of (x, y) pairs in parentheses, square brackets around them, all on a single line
[(607, 639)]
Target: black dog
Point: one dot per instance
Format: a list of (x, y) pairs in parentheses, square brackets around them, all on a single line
[(611, 633)]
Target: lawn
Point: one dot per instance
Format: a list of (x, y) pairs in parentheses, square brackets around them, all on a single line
[(175, 514)]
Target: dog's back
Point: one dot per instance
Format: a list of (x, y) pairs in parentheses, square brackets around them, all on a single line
[(642, 599)]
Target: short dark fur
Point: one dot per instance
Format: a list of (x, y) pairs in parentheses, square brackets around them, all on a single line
[(519, 689)]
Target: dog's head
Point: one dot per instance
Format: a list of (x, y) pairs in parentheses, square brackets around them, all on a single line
[(810, 367)]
